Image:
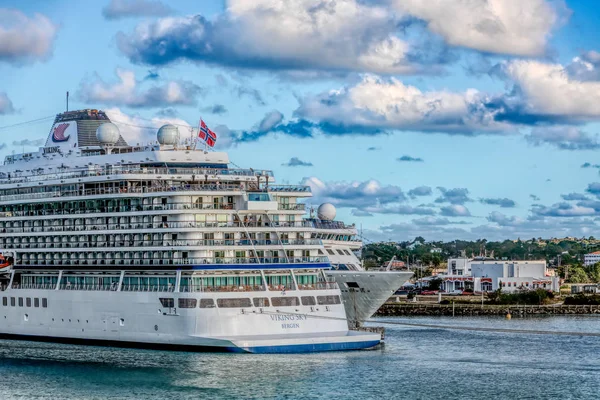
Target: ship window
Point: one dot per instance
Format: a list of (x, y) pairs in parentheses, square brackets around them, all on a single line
[(36, 302), (188, 303), (308, 300), (12, 302), (261, 302), (20, 302), (324, 300), (45, 302), (331, 252), (341, 253), (5, 301), (234, 303), (207, 303), (347, 252), (167, 302), (28, 302), (285, 301), (352, 285)]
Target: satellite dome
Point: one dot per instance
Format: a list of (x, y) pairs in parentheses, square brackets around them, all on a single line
[(326, 212), (168, 134), (108, 133)]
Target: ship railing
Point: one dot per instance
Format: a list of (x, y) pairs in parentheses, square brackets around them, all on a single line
[(257, 261), (289, 188), (46, 286), (147, 288), (119, 209), (153, 225), (90, 287), (168, 243), (227, 288), (318, 286), (292, 207), (125, 191), (198, 173)]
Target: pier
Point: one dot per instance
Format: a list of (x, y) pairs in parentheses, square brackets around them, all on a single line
[(420, 309)]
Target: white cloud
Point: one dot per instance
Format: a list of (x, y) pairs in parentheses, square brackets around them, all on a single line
[(455, 210), (518, 27), (127, 92), (379, 103), (563, 137), (298, 36), (585, 67), (25, 39), (547, 89)]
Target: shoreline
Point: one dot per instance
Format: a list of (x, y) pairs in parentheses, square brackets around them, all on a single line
[(461, 310)]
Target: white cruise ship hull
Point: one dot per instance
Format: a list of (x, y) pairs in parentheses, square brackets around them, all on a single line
[(363, 292), (131, 319)]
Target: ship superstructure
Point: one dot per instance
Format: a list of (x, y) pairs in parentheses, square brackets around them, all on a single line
[(161, 245)]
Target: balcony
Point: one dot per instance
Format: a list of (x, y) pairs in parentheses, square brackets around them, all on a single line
[(257, 262)]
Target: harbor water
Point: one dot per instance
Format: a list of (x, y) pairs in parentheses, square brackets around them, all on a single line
[(415, 363)]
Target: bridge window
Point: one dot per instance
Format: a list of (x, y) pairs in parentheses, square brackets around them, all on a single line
[(261, 302), (326, 300), (5, 301), (45, 303), (234, 303), (188, 303), (207, 303), (308, 300), (36, 302), (167, 302), (285, 301)]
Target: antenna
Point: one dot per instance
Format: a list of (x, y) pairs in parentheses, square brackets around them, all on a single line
[(67, 101)]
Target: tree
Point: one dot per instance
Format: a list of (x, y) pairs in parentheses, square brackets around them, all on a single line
[(435, 284), (577, 275), (594, 272)]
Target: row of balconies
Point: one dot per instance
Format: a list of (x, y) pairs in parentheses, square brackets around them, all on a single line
[(176, 261), (157, 225), (140, 208), (236, 188), (163, 243)]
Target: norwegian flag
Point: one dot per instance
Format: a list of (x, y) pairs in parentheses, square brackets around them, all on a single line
[(206, 134)]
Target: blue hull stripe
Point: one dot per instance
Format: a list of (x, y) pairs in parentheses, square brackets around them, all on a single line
[(309, 348)]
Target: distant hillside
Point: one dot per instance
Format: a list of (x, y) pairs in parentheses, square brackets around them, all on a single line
[(566, 252)]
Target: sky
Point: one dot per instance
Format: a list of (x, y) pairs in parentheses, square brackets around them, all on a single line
[(460, 119)]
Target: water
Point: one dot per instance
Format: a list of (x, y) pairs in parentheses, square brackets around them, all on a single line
[(416, 363)]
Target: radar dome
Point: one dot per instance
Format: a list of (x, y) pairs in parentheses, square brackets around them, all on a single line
[(326, 212), (108, 133), (168, 134)]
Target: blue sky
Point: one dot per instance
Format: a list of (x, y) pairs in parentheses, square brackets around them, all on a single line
[(449, 120)]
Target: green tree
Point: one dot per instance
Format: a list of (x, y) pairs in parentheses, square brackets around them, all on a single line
[(594, 272), (577, 275)]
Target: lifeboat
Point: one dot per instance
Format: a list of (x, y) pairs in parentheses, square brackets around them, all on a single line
[(5, 263)]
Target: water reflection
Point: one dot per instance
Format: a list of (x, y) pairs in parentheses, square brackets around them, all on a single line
[(415, 363)]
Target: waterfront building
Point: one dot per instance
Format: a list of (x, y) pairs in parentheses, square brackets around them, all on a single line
[(591, 258), (487, 274)]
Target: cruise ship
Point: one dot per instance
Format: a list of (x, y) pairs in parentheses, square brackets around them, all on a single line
[(167, 246)]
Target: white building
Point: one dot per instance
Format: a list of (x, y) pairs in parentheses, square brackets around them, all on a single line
[(591, 258), (481, 274)]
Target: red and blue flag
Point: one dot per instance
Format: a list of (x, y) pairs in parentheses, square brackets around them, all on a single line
[(204, 133)]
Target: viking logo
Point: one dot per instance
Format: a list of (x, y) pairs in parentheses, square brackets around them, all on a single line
[(59, 133)]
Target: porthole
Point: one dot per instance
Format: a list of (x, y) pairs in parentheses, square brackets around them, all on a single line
[(156, 327)]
